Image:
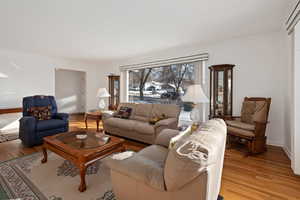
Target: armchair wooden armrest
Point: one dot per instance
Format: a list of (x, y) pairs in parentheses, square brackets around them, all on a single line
[(260, 128), (232, 117)]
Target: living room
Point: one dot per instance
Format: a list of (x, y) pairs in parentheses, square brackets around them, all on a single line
[(94, 57)]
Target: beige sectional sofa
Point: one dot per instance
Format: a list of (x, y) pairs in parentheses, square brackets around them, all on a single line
[(191, 169), (137, 127)]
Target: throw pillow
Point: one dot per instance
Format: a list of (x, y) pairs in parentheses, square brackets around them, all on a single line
[(248, 109), (123, 112), (41, 113), (154, 120)]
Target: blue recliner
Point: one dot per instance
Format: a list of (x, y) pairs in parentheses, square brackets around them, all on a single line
[(31, 130)]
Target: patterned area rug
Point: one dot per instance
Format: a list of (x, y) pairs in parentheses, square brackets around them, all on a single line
[(27, 179), (8, 137)]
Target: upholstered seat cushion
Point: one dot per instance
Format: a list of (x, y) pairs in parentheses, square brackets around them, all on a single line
[(239, 124), (120, 123), (43, 125), (147, 166), (241, 132), (143, 128)]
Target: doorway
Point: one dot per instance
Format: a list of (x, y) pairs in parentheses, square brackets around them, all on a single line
[(70, 91)]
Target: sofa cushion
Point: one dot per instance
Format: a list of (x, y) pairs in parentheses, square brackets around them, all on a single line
[(126, 124), (143, 110), (239, 124), (147, 166), (169, 110), (238, 131), (155, 153), (143, 128), (140, 118), (191, 156), (50, 124)]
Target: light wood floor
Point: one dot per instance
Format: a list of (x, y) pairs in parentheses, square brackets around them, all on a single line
[(263, 177)]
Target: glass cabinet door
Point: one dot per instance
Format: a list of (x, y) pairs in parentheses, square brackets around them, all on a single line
[(114, 90), (220, 93)]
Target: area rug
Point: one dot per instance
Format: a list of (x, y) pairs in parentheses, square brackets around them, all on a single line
[(27, 179), (4, 137)]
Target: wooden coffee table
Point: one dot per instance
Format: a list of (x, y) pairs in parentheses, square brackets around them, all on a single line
[(81, 152)]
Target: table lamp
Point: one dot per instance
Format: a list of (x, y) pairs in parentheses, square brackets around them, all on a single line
[(101, 94), (196, 95)]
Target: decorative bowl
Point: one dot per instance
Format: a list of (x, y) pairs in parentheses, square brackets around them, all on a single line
[(81, 136)]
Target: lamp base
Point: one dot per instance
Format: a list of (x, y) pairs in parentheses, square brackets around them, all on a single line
[(101, 104)]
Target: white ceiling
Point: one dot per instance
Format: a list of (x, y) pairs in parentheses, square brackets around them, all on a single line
[(115, 29)]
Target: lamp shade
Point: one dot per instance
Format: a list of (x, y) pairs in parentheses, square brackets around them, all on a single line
[(195, 94), (102, 93)]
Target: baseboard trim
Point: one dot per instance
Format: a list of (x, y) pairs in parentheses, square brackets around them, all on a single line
[(287, 152), (274, 143)]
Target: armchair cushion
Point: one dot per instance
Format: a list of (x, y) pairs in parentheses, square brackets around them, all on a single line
[(147, 166), (165, 136), (241, 132), (62, 116), (241, 125), (254, 111), (50, 124), (248, 109)]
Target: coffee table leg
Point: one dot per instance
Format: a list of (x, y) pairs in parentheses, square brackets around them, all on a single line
[(45, 155), (86, 124), (82, 186), (97, 125)]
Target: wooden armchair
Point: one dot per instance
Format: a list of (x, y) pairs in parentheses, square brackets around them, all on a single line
[(250, 127)]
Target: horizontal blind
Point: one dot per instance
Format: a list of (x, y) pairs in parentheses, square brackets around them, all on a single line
[(293, 18), (165, 62)]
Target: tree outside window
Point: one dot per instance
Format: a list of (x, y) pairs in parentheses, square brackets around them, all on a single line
[(165, 84)]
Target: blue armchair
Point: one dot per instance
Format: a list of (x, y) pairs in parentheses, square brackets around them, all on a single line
[(31, 130)]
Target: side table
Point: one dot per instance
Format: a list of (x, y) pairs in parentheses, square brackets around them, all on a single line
[(95, 115)]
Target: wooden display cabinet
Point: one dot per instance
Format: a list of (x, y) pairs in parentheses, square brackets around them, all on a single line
[(114, 91), (221, 82)]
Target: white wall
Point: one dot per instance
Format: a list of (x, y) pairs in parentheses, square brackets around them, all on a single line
[(29, 74), (295, 137), (260, 71)]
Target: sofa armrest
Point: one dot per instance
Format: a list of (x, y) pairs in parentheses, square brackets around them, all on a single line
[(107, 114), (170, 123), (27, 130), (62, 116), (141, 169), (165, 136)]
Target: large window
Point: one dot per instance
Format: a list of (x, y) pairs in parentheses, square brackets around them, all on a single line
[(160, 84)]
